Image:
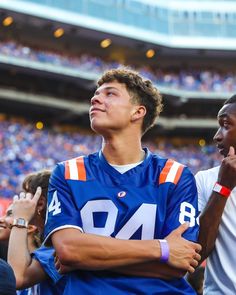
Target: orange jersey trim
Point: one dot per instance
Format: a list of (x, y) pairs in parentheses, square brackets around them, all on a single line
[(75, 169), (81, 168), (171, 172)]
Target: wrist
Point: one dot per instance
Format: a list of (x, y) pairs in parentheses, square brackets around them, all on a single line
[(165, 250), (20, 223), (222, 190)]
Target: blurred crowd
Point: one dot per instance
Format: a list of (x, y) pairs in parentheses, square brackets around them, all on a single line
[(24, 149), (194, 79)]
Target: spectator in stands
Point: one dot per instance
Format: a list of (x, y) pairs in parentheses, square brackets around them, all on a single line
[(217, 201), (195, 79), (24, 149), (7, 279), (32, 267), (117, 216)]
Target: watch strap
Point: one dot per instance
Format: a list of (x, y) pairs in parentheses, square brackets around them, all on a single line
[(20, 223)]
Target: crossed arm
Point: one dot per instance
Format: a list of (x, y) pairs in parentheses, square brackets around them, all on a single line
[(131, 257)]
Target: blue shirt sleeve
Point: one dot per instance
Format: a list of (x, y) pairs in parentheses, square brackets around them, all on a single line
[(183, 206), (61, 210), (45, 257)]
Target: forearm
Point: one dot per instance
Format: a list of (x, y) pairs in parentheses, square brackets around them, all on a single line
[(92, 252), (18, 254), (76, 250), (209, 223), (153, 269)]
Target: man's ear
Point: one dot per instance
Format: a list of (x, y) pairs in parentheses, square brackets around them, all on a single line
[(138, 113)]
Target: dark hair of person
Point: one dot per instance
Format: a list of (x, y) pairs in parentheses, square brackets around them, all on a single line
[(232, 99)]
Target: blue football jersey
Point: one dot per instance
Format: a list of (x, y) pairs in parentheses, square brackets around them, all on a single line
[(146, 202), (34, 290), (56, 283)]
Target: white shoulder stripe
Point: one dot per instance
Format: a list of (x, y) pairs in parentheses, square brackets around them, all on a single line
[(73, 169), (172, 173)]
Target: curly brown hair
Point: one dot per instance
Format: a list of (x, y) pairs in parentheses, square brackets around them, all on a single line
[(141, 91)]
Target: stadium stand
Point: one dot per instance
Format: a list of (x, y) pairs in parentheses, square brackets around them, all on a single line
[(32, 150), (189, 79), (51, 79)]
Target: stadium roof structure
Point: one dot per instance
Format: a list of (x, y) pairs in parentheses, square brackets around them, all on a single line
[(167, 23)]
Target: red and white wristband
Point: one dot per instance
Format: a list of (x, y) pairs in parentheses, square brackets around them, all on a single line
[(222, 190), (165, 251)]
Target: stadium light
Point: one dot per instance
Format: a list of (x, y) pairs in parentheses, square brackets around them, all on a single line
[(58, 33), (7, 21), (39, 125), (150, 53), (105, 43), (202, 142)]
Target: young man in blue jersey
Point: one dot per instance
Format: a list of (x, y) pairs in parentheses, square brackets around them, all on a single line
[(117, 218)]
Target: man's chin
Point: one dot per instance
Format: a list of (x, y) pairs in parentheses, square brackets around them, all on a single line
[(223, 152)]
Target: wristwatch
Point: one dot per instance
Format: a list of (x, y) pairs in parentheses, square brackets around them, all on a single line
[(20, 222)]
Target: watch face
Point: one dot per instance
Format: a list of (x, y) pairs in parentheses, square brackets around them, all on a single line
[(21, 221)]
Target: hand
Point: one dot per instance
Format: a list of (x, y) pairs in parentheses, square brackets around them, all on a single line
[(227, 173), (183, 253), (24, 205), (61, 268)]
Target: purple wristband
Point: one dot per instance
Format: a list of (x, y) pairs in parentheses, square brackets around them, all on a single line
[(165, 251)]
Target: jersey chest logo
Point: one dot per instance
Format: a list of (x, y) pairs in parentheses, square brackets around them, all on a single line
[(121, 194)]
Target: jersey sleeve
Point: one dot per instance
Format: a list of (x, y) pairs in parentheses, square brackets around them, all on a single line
[(202, 199), (183, 206), (45, 257), (61, 209)]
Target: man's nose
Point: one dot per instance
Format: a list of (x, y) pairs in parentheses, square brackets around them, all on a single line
[(217, 137), (96, 99)]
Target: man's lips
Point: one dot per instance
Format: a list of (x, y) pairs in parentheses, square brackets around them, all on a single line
[(220, 148), (94, 110)]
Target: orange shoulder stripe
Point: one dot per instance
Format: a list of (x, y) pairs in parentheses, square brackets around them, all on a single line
[(81, 168), (165, 171), (67, 170), (178, 174)]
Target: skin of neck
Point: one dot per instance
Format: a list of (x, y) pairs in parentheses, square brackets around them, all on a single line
[(122, 150)]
